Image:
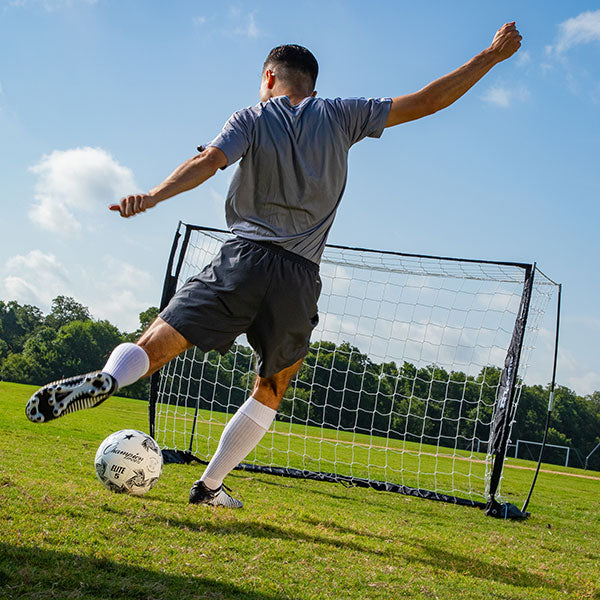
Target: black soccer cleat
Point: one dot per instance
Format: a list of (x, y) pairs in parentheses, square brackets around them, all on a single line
[(200, 494), (68, 395)]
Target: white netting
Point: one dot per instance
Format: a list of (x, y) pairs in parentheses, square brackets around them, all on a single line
[(400, 382)]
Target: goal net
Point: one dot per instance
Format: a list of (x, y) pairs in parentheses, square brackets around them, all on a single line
[(416, 364)]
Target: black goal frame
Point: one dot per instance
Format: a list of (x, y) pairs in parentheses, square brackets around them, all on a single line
[(504, 408)]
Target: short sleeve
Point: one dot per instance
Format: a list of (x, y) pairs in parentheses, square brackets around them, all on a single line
[(235, 137), (362, 117)]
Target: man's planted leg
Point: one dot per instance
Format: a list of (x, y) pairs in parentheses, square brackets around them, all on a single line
[(241, 435)]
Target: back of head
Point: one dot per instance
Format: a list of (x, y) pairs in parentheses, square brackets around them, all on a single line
[(294, 65)]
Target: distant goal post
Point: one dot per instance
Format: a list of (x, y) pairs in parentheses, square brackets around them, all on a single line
[(416, 362)]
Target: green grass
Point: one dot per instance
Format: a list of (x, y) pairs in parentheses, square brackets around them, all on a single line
[(64, 536)]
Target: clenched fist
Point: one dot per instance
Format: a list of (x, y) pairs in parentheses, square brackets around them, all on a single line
[(506, 41)]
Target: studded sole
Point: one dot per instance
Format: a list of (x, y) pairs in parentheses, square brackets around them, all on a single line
[(69, 395)]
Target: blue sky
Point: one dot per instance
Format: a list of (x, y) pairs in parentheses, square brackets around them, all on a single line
[(103, 98)]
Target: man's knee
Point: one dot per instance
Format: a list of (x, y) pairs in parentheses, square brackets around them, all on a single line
[(267, 385), (270, 390), (162, 343)]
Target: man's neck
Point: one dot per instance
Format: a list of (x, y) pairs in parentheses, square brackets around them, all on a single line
[(295, 100), (294, 97)]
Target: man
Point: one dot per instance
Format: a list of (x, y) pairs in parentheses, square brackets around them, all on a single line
[(265, 282)]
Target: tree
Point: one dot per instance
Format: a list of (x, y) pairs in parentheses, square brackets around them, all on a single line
[(3, 346), (84, 346), (21, 368), (65, 310), (17, 323), (78, 347), (146, 318)]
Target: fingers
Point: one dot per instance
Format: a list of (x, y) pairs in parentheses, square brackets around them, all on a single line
[(508, 30), (131, 205), (507, 40)]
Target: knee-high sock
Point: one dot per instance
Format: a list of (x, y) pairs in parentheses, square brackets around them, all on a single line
[(127, 363), (241, 435)]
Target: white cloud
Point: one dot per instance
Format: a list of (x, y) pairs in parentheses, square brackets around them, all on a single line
[(576, 31), (120, 293), (245, 23), (73, 182), (572, 371), (504, 96), (248, 27), (113, 290), (584, 383), (582, 29), (523, 58), (237, 22), (50, 5), (575, 375), (35, 278)]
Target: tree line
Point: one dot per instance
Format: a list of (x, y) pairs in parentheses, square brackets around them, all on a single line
[(338, 386), (37, 348)]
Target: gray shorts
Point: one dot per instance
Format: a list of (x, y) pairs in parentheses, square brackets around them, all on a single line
[(256, 288)]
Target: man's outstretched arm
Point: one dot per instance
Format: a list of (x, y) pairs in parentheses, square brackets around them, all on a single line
[(444, 91), (186, 176)]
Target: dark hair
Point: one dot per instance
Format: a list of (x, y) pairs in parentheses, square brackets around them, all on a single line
[(295, 64)]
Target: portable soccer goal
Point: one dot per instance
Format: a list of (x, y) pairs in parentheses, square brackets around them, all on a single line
[(417, 362)]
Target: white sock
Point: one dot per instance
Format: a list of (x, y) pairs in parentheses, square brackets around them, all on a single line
[(127, 363), (240, 436)]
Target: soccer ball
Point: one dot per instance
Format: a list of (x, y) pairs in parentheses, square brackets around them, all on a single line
[(129, 461)]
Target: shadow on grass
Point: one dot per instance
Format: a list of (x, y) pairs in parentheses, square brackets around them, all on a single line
[(34, 573), (288, 483), (346, 497), (254, 529), (440, 558), (331, 525)]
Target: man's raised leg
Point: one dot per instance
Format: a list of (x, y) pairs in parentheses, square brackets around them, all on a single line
[(241, 435), (127, 363)]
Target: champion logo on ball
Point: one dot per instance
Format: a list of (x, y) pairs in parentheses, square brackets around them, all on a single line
[(133, 457)]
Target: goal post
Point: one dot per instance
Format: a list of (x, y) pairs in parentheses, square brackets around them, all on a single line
[(416, 362)]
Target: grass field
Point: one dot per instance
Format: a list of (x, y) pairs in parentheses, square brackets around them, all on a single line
[(64, 536)]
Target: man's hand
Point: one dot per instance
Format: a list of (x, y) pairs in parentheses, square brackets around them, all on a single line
[(132, 205), (506, 41)]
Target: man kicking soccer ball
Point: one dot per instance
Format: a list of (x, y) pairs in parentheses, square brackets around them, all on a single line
[(265, 282)]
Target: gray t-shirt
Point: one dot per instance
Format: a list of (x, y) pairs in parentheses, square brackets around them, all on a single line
[(289, 183)]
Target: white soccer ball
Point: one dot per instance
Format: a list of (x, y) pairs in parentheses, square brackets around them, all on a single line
[(129, 461)]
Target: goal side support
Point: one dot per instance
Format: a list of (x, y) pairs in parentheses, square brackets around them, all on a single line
[(169, 289), (505, 407)]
